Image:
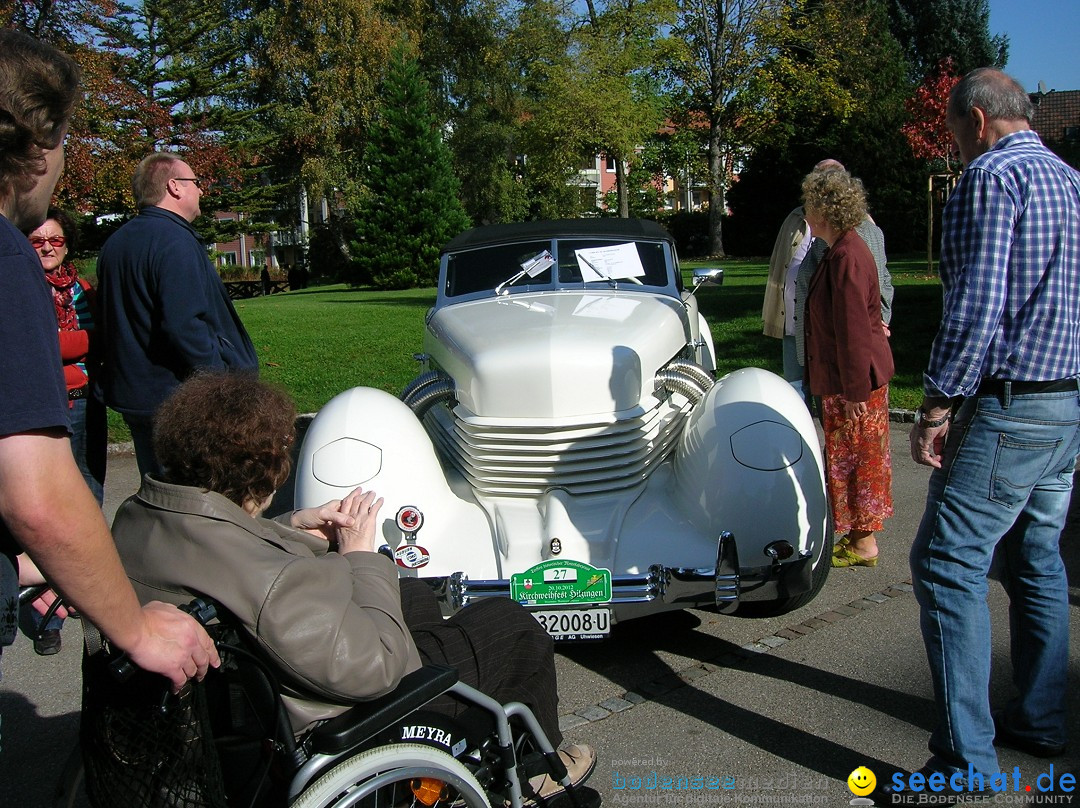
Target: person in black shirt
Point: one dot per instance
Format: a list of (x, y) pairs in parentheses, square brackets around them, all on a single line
[(46, 509)]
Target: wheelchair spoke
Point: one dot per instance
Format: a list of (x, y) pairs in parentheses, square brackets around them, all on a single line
[(397, 776)]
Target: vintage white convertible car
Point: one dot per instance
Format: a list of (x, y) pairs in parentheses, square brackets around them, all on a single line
[(569, 447)]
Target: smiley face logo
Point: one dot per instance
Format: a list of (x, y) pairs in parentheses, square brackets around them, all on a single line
[(861, 781)]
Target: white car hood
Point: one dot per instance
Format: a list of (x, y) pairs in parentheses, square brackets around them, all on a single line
[(557, 354)]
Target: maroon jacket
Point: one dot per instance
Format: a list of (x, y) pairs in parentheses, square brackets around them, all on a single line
[(847, 352)]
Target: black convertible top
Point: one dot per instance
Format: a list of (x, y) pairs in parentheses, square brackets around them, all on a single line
[(522, 231)]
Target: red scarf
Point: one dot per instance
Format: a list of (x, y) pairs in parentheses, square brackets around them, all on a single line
[(63, 280)]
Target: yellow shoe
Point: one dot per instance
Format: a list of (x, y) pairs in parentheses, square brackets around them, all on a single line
[(846, 558)]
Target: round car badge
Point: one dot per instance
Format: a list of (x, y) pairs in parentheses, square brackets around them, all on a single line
[(556, 546), (411, 556), (409, 519)]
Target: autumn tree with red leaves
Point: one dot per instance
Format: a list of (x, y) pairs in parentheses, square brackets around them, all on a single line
[(926, 132), (157, 75)]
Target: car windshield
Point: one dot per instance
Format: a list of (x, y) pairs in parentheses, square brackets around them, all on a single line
[(598, 260), (579, 261), (484, 269)]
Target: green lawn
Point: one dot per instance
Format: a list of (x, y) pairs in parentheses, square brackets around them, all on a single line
[(320, 341), (734, 312)]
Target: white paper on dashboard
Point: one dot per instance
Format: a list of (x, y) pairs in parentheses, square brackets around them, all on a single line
[(616, 261)]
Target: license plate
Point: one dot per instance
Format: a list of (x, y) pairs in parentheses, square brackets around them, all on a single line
[(575, 624)]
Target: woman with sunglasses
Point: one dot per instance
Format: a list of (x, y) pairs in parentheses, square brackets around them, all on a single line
[(75, 303), (73, 299)]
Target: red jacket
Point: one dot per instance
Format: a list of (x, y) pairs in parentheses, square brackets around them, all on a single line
[(75, 345), (847, 352)]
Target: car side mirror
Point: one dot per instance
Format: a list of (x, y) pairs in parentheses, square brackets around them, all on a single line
[(713, 276), (707, 276)]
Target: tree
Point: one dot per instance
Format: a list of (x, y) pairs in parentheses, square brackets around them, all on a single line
[(58, 22), (156, 75), (484, 146), (411, 207), (926, 131), (618, 53), (100, 152), (726, 42), (557, 87), (313, 73), (753, 68), (550, 140), (480, 98), (854, 117), (931, 30)]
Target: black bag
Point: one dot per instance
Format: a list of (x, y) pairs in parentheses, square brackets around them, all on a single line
[(216, 743), (144, 746)]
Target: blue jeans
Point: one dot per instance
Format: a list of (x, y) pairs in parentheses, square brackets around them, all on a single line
[(89, 446), (142, 436), (1004, 485), (88, 442)]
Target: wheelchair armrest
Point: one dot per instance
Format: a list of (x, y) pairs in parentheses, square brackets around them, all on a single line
[(368, 718)]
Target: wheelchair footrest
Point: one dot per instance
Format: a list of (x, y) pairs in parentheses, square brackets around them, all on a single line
[(371, 717)]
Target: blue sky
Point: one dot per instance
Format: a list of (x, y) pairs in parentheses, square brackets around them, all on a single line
[(1044, 41)]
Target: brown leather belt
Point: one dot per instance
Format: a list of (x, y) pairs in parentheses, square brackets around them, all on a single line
[(78, 392), (997, 387)]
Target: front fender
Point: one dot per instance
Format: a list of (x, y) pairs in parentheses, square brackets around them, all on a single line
[(365, 437), (749, 463)]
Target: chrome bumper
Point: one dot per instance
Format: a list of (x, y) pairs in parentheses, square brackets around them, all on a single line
[(723, 586)]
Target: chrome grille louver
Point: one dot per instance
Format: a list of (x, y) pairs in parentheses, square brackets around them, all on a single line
[(529, 459)]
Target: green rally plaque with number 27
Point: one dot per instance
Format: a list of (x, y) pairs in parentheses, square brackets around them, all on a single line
[(561, 583)]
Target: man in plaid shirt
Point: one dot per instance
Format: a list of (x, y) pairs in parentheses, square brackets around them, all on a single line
[(1000, 425)]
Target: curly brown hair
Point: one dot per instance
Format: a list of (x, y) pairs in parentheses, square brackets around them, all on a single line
[(226, 432), (39, 87), (836, 196)]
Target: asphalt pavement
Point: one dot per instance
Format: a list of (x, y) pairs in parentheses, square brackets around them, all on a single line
[(692, 708)]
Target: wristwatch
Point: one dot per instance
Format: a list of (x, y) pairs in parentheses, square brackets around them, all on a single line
[(923, 422)]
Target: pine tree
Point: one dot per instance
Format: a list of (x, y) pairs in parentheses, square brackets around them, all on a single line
[(163, 75), (411, 207)]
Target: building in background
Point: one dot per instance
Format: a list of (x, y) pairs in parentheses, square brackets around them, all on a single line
[(1057, 120)]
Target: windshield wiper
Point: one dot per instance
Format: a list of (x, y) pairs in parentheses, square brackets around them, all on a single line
[(533, 267), (614, 283)]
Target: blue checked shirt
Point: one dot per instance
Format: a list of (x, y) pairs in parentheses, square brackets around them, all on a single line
[(1010, 271)]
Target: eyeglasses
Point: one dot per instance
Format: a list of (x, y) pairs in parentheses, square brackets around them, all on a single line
[(197, 180), (37, 242)]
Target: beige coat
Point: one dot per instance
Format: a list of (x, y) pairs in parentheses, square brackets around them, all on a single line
[(791, 235), (331, 622)]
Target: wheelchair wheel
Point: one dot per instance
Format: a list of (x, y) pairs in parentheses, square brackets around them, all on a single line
[(397, 776)]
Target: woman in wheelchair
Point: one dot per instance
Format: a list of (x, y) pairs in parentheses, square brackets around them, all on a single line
[(325, 607)]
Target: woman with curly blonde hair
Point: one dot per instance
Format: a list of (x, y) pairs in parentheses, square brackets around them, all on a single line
[(849, 364)]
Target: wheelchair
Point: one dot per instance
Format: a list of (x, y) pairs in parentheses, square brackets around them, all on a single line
[(228, 741), (28, 594)]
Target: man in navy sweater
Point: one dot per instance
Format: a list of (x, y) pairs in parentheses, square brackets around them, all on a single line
[(165, 312)]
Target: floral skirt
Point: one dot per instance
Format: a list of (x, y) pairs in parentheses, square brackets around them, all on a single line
[(858, 465)]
